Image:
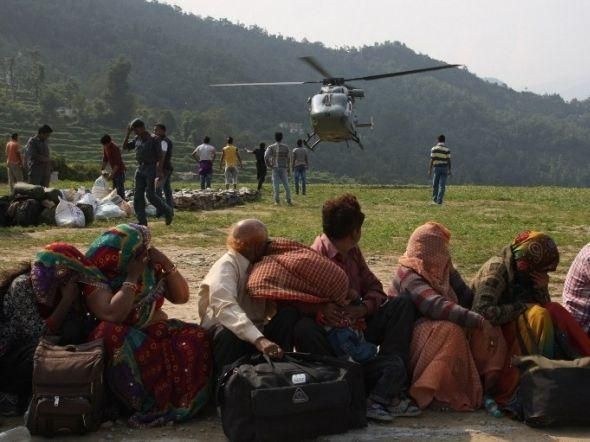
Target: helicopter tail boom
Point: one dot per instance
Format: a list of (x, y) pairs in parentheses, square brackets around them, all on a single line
[(370, 124)]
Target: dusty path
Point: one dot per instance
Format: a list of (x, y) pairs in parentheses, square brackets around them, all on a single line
[(450, 426)]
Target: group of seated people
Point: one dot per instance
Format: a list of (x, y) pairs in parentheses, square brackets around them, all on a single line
[(431, 340)]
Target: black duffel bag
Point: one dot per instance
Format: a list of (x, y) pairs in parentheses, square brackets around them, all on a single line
[(554, 392), (301, 396)]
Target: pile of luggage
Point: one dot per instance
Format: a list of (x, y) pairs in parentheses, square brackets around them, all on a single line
[(194, 200), (31, 205)]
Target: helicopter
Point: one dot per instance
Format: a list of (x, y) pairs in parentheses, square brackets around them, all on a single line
[(331, 110)]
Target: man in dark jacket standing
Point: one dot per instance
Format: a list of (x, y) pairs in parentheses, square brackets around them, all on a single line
[(39, 164), (166, 147), (149, 173)]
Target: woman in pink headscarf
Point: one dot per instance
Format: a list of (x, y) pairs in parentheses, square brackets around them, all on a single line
[(455, 353)]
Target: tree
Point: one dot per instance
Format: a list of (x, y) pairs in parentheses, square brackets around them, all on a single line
[(37, 78), (117, 95), (50, 100), (166, 117)]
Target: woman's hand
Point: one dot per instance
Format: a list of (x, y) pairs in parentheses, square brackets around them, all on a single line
[(70, 291), (158, 258), (540, 280), (136, 266)]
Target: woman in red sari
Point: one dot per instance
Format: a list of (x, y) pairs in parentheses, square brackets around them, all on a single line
[(158, 368)]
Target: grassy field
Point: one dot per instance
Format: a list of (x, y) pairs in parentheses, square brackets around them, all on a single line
[(482, 220)]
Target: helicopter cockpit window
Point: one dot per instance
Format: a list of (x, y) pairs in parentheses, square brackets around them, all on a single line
[(327, 100), (339, 100)]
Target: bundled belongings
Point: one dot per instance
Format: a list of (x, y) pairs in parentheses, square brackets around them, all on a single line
[(48, 216), (554, 392), (25, 212), (88, 211), (301, 396), (4, 205), (67, 389), (29, 191), (69, 215), (291, 271), (101, 188)]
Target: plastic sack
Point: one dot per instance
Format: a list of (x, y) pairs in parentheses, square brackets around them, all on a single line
[(68, 194), (127, 208), (101, 188), (112, 197), (68, 215), (150, 210), (109, 211)]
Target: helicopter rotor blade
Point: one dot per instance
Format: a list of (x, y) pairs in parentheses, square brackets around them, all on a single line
[(314, 64), (280, 83), (400, 73)]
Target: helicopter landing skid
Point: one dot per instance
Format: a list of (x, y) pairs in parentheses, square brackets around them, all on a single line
[(357, 140), (314, 139)]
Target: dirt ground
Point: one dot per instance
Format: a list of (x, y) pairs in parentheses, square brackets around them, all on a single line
[(445, 426)]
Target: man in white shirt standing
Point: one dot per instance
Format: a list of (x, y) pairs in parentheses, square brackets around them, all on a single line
[(238, 324), (204, 154)]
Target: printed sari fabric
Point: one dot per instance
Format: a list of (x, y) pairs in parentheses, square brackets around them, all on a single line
[(446, 360), (532, 324), (159, 369)]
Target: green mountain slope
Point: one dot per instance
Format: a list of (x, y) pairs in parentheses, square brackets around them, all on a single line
[(496, 135)]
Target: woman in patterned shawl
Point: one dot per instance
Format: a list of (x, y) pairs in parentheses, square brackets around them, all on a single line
[(452, 348), (41, 298), (158, 368), (512, 290)]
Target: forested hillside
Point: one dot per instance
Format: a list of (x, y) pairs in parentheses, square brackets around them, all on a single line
[(88, 65)]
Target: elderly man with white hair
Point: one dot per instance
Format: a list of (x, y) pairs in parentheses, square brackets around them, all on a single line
[(238, 324)]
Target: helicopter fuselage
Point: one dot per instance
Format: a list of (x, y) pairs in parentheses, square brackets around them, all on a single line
[(331, 114)]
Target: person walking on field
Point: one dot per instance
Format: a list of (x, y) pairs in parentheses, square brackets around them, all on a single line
[(300, 164), (231, 157), (149, 172), (166, 147), (39, 161), (278, 158), (111, 155), (260, 164), (204, 154), (14, 161), (440, 161)]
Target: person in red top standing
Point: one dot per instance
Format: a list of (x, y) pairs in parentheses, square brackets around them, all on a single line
[(112, 156), (14, 161)]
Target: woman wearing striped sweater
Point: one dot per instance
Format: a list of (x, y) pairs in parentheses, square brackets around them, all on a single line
[(455, 353)]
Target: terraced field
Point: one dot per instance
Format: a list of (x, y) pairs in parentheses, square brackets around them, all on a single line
[(80, 146)]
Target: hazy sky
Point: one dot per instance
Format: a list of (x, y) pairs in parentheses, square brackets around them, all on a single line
[(541, 45)]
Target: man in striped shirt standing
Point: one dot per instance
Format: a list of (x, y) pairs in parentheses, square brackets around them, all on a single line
[(278, 158), (440, 161)]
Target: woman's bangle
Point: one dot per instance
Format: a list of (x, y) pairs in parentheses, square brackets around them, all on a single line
[(169, 272), (130, 285)]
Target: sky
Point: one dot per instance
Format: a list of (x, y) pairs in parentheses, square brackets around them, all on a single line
[(536, 45)]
